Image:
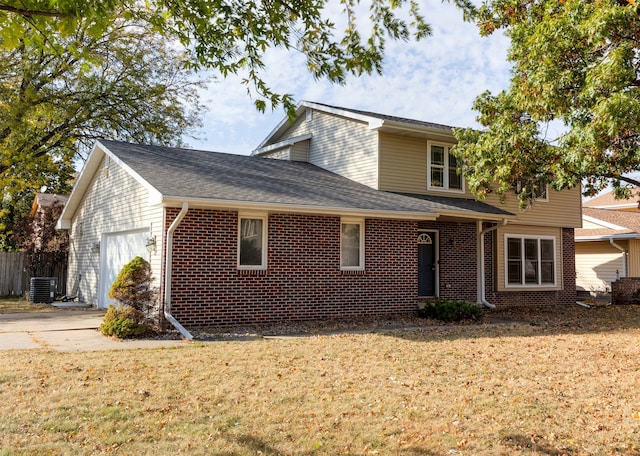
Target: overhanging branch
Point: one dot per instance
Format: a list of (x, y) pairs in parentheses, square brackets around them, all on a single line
[(33, 13)]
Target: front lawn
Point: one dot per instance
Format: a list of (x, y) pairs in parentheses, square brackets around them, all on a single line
[(549, 386)]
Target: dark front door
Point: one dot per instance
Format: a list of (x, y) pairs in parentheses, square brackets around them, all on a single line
[(427, 264)]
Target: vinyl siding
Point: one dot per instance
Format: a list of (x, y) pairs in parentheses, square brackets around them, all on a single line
[(587, 225), (340, 145), (113, 202), (633, 258), (596, 265), (300, 151), (403, 168), (280, 154), (519, 230), (564, 209)]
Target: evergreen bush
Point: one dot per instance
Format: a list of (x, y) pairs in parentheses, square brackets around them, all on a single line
[(123, 323), (132, 288), (450, 310)]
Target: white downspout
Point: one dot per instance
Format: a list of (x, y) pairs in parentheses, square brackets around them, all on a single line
[(167, 273), (480, 241), (624, 256)]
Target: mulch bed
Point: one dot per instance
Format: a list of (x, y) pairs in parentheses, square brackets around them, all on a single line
[(599, 315)]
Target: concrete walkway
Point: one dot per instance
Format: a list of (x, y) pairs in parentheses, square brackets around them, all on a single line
[(66, 331)]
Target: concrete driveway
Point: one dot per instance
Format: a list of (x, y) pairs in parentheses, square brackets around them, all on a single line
[(66, 331)]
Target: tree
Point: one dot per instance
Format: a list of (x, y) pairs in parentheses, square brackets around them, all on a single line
[(575, 65), (233, 37), (62, 91)]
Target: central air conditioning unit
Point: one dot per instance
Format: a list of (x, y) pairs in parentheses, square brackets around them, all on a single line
[(43, 289)]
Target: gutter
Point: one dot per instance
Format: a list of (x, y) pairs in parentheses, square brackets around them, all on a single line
[(167, 274), (480, 241), (624, 256)]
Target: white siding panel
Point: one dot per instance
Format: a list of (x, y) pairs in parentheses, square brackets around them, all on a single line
[(343, 146), (113, 202), (280, 154), (596, 265)]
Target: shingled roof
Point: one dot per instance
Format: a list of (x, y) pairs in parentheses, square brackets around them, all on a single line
[(186, 174), (616, 224), (397, 119), (609, 201)]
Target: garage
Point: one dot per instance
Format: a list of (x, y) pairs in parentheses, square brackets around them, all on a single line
[(116, 250)]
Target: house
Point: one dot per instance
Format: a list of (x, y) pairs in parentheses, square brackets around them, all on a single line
[(608, 244), (44, 214), (338, 214)]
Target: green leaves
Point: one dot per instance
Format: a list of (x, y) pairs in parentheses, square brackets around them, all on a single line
[(233, 37), (57, 95), (576, 64)]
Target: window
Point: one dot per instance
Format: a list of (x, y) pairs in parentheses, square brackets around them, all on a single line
[(530, 261), (352, 244), (252, 242), (541, 193), (443, 168)]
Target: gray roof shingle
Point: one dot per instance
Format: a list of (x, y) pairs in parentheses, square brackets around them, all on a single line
[(405, 120), (187, 173)]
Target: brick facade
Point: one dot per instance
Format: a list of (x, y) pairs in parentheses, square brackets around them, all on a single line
[(625, 290), (303, 280)]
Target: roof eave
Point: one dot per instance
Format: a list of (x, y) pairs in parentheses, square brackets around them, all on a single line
[(443, 133), (606, 237), (476, 215), (206, 203)]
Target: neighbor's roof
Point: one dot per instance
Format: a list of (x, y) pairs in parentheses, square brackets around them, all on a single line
[(213, 179), (608, 201), (48, 200), (611, 224), (374, 120)]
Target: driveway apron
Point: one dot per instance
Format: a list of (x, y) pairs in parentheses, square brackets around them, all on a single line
[(65, 331)]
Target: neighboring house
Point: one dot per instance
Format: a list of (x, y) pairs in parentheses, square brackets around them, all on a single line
[(608, 244), (340, 214), (44, 215)]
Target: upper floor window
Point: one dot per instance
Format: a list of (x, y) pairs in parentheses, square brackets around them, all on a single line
[(252, 241), (540, 193), (442, 168), (352, 244)]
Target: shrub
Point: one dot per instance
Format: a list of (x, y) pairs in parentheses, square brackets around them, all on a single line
[(123, 322), (132, 287), (450, 310)]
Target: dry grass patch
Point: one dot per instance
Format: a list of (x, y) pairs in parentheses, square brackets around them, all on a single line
[(563, 386), (19, 304)]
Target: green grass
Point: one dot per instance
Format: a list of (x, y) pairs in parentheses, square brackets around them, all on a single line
[(19, 304)]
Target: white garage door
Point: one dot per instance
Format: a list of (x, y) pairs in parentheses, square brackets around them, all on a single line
[(118, 249)]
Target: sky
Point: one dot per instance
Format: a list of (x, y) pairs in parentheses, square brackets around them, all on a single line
[(436, 80)]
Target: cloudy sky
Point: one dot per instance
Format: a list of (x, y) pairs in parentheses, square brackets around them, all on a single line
[(435, 80)]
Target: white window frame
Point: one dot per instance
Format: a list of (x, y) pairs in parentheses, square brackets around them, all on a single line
[(265, 230), (360, 223), (522, 283), (542, 199), (445, 167)]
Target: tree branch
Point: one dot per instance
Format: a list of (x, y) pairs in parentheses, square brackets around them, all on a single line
[(32, 13)]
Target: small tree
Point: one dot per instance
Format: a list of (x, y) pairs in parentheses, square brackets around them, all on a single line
[(132, 288)]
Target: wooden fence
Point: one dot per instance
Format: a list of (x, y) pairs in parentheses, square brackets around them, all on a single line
[(17, 268)]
